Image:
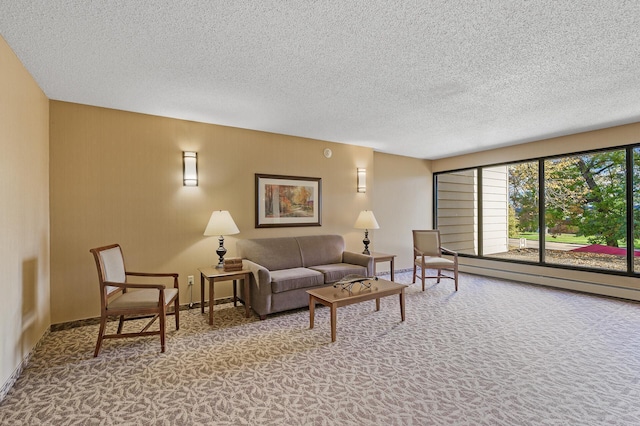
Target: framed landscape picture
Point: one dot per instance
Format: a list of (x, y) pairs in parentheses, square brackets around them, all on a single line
[(287, 201)]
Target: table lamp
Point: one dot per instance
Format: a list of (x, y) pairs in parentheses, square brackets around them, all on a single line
[(366, 220), (221, 223)]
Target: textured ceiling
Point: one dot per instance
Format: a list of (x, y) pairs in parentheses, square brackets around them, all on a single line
[(426, 79)]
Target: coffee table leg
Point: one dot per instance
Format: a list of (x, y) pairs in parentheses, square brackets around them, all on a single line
[(377, 304), (312, 309), (334, 309), (402, 304)]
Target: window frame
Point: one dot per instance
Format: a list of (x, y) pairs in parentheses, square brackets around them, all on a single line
[(629, 180)]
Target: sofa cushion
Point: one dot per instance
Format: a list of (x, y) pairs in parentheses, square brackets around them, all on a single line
[(272, 253), (336, 271), (295, 278), (321, 249)]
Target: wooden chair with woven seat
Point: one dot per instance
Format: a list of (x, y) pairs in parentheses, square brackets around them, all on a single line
[(131, 301), (427, 254)]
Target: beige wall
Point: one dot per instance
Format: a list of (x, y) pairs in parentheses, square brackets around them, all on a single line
[(24, 215), (116, 177), (626, 287), (402, 202)]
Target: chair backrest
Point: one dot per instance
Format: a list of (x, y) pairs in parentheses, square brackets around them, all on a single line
[(110, 264), (427, 241)]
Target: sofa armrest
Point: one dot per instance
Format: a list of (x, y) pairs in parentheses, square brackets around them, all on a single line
[(359, 259), (261, 275), (260, 283)]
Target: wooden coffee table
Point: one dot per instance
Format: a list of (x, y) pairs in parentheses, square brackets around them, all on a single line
[(336, 297)]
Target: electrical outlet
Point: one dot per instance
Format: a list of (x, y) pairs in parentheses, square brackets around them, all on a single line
[(190, 280)]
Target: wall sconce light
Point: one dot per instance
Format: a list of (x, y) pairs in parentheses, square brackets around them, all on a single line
[(190, 168), (362, 180)]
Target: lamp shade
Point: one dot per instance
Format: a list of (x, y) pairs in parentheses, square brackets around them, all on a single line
[(221, 223), (366, 220)]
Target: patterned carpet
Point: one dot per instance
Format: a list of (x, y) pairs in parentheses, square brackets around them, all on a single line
[(495, 353)]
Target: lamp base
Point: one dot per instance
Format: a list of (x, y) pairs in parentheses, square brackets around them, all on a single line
[(221, 251), (366, 242)]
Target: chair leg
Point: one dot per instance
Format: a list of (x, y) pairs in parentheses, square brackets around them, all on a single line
[(439, 275), (103, 321), (120, 324), (177, 309), (414, 272), (163, 319), (455, 276), (422, 276)]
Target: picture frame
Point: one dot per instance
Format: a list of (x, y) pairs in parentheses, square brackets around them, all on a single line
[(283, 201)]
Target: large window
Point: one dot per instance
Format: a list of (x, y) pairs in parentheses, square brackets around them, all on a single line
[(636, 208), (510, 211), (585, 210), (577, 211)]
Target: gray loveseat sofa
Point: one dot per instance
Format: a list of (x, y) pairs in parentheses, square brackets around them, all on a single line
[(284, 268)]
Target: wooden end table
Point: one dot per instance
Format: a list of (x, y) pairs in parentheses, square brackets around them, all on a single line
[(214, 275), (336, 297), (383, 257)]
